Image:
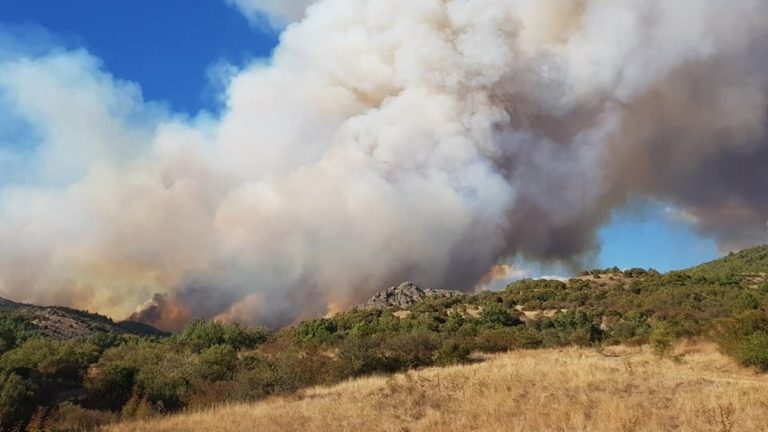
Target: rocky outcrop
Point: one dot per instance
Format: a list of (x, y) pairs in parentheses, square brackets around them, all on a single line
[(404, 295)]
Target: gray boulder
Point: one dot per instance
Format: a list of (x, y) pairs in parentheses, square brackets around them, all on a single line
[(404, 295)]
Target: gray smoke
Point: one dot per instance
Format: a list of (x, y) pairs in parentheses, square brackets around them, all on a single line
[(389, 140)]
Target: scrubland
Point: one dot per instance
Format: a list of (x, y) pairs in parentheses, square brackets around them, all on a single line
[(556, 380), (694, 388)]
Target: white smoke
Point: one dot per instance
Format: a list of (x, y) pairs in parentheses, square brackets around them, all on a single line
[(386, 140)]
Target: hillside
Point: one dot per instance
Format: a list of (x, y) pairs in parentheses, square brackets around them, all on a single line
[(67, 323), (749, 261), (571, 389), (106, 377)]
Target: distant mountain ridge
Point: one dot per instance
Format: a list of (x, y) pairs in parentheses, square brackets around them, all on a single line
[(66, 323)]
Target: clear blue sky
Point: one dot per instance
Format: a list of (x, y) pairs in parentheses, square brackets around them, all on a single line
[(649, 237), (168, 47)]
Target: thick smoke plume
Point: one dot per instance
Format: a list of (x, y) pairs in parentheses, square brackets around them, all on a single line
[(387, 140)]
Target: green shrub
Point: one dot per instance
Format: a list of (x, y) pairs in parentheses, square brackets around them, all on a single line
[(632, 329), (200, 335), (763, 289), (409, 351), (572, 327), (661, 339), (496, 315), (745, 338), (506, 339), (358, 356), (635, 273), (110, 386), (217, 363), (163, 372), (14, 330), (754, 351), (104, 341), (454, 322), (63, 361), (745, 302), (262, 376), (452, 352), (319, 331), (16, 401)]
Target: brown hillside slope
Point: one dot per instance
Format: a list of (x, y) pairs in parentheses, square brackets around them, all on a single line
[(620, 389)]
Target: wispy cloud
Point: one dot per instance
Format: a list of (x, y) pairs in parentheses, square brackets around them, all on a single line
[(276, 13), (680, 215)]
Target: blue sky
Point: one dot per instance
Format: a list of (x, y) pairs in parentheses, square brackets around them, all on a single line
[(168, 48), (650, 237)]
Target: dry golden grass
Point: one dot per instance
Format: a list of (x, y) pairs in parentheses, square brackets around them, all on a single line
[(620, 389)]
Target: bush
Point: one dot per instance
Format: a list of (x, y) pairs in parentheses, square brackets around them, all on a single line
[(16, 401), (358, 356), (200, 335), (661, 339), (506, 339), (52, 360), (763, 289), (110, 386), (14, 330), (261, 376), (754, 351), (163, 372), (217, 363), (139, 407), (497, 315), (745, 302), (635, 273), (745, 338), (318, 331), (632, 329), (409, 351), (69, 417), (452, 352), (104, 341), (571, 327)]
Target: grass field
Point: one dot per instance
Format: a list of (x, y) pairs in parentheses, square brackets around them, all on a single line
[(571, 389)]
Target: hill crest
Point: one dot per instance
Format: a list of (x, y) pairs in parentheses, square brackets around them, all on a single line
[(61, 322)]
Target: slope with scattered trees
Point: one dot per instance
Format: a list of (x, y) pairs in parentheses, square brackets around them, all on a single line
[(78, 383)]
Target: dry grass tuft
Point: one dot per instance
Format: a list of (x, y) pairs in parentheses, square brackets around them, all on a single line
[(572, 389)]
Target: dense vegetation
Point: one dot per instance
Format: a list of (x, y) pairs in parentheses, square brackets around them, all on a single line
[(50, 384)]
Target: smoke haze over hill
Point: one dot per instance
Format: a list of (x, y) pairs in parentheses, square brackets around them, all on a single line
[(386, 140)]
